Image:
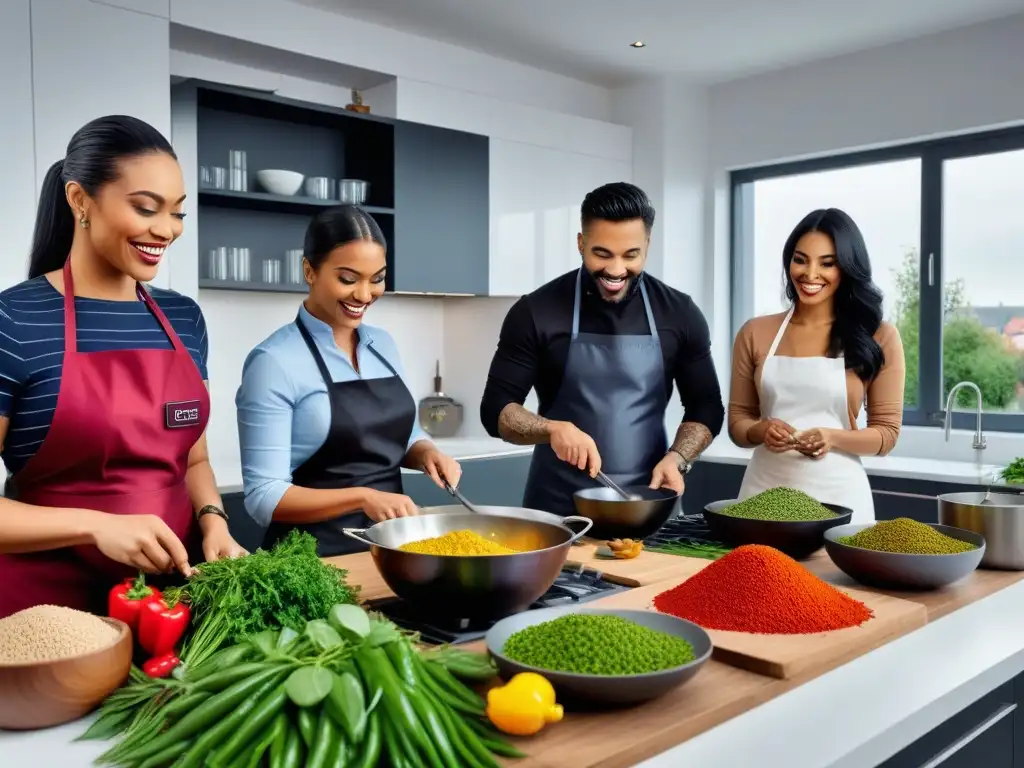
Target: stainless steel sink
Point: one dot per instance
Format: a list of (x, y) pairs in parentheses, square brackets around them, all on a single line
[(999, 517)]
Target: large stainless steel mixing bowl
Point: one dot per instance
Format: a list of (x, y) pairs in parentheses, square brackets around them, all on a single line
[(617, 518), (1000, 519), (471, 587)]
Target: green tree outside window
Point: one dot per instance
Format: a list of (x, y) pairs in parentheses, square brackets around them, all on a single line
[(970, 351)]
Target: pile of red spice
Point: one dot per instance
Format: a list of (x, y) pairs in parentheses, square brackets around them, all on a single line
[(760, 590)]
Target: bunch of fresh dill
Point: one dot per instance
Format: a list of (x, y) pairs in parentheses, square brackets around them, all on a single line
[(284, 587)]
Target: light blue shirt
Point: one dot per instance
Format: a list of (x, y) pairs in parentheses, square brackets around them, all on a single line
[(283, 409)]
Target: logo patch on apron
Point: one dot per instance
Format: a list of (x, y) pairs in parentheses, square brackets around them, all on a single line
[(184, 413)]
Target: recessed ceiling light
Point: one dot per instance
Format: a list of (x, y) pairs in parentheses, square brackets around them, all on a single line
[(638, 44)]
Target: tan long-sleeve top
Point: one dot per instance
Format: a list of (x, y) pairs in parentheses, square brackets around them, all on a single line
[(884, 392)]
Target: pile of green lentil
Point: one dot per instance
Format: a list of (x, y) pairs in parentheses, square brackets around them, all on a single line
[(907, 537), (597, 644), (780, 505)]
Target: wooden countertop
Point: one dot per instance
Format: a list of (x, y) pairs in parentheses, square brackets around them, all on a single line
[(621, 738)]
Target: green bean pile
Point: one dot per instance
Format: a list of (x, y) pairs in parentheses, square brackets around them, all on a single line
[(780, 505), (353, 691), (597, 644)]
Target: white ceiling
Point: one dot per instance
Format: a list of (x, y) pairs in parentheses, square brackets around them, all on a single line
[(706, 40)]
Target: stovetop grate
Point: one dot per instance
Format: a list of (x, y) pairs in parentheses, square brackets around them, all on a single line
[(573, 585), (682, 528)]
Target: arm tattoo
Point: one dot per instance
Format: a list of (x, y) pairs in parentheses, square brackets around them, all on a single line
[(519, 426), (691, 440)]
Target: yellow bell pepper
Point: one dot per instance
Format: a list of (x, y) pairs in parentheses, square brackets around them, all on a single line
[(524, 705)]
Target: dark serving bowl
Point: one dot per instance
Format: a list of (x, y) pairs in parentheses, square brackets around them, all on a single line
[(583, 691), (617, 518), (899, 571), (799, 540)]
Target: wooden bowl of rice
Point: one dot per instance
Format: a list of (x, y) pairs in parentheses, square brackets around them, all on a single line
[(58, 664)]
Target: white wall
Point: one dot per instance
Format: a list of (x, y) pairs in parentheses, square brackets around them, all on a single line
[(333, 37), (959, 81), (17, 140)]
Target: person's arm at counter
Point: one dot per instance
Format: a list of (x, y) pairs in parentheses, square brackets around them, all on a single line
[(265, 403), (513, 373)]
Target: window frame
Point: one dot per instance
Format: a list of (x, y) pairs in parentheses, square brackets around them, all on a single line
[(933, 153)]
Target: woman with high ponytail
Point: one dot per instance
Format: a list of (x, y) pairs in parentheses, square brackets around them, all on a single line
[(103, 396), (799, 378)]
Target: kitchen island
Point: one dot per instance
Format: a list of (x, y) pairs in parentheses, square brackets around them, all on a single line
[(858, 714)]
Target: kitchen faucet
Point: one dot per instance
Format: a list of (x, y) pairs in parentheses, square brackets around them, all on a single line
[(979, 435)]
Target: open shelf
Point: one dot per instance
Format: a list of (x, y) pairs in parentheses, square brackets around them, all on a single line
[(251, 285), (265, 201), (438, 178)]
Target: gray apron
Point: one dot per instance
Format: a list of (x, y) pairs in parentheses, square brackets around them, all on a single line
[(613, 389)]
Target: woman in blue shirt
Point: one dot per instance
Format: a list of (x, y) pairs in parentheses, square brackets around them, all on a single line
[(325, 420)]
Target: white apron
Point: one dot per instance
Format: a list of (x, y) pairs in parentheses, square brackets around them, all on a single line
[(808, 392)]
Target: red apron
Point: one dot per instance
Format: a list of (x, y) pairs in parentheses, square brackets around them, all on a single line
[(119, 442)]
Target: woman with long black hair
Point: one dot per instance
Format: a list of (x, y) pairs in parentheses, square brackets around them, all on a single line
[(799, 378), (325, 419), (103, 399)]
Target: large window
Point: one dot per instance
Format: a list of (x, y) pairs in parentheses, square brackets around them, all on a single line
[(944, 224)]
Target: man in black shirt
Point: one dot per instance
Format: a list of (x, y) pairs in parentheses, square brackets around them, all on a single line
[(602, 346)]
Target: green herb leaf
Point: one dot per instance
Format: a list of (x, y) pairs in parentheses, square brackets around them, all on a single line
[(350, 619), (323, 635), (308, 686), (265, 642), (287, 637)]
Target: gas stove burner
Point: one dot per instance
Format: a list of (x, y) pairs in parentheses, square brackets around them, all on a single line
[(684, 527), (574, 585)]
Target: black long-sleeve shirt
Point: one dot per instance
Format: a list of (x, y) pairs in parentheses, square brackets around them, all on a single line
[(534, 345)]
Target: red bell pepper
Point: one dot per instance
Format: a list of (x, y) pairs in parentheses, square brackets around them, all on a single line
[(125, 601), (161, 626), (162, 665)]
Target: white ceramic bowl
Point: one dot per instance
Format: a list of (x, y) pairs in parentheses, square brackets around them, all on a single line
[(280, 182)]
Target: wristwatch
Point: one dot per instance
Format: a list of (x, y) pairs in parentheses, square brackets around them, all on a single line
[(211, 509), (684, 464)]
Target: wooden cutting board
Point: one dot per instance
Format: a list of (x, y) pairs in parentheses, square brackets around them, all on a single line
[(791, 656), (646, 568)]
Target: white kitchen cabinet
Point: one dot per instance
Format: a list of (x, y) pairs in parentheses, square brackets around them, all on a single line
[(82, 68), (536, 194), (161, 8), (17, 193)]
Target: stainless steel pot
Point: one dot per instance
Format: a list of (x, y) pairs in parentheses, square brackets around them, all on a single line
[(471, 587), (1000, 519)]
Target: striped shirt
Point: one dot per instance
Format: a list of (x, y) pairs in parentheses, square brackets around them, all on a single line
[(32, 350)]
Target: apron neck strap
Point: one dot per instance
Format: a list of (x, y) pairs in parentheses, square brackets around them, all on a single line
[(576, 305), (321, 365), (781, 333), (71, 321)]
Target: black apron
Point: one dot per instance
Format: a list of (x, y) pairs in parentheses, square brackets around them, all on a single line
[(614, 390), (371, 422)]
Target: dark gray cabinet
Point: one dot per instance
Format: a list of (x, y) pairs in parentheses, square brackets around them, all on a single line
[(441, 210), (987, 734)]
